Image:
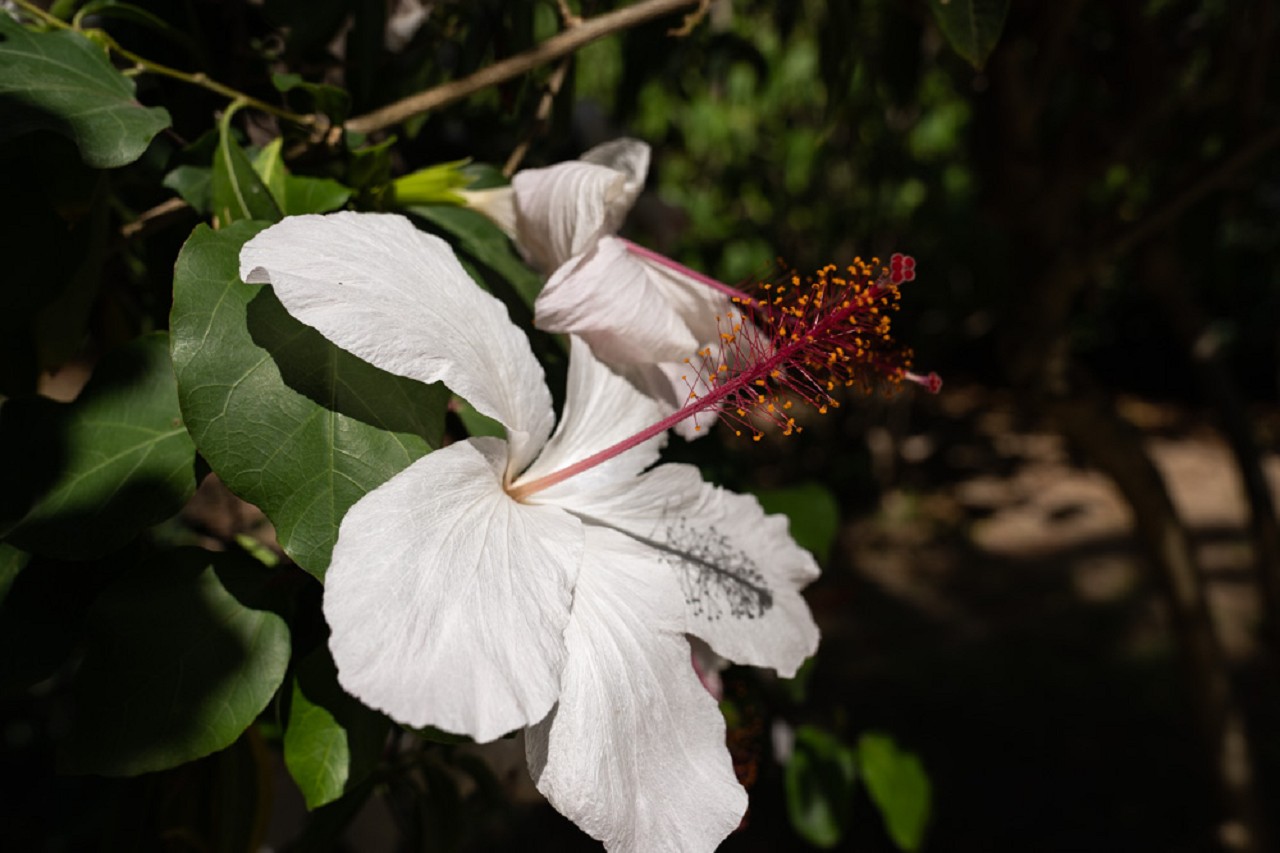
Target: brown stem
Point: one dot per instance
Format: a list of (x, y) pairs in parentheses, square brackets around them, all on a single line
[(564, 43), (554, 83), (1165, 283), (1087, 418)]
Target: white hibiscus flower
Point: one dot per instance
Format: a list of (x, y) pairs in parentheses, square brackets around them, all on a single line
[(546, 581)]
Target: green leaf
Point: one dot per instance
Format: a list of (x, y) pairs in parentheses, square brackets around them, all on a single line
[(330, 100), (971, 26), (268, 164), (64, 83), (370, 165), (819, 780), (289, 421), (898, 786), (296, 195), (313, 195), (477, 424), (485, 242), (235, 189), (182, 654), (812, 512), (332, 742), (85, 477), (194, 184)]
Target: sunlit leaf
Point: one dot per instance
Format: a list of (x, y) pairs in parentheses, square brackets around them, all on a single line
[(182, 654), (290, 422), (971, 26), (331, 741), (64, 83), (269, 166), (296, 194), (84, 478), (235, 189), (819, 780), (304, 194), (898, 786)]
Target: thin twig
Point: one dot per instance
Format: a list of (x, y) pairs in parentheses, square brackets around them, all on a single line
[(153, 218), (567, 15), (691, 20), (554, 83), (553, 48)]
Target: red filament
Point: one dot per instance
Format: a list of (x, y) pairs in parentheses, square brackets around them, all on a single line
[(800, 340)]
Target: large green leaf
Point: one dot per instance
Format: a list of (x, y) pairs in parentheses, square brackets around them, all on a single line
[(332, 741), (182, 654), (64, 83), (971, 26), (235, 189), (898, 786), (83, 478), (819, 780), (289, 421)]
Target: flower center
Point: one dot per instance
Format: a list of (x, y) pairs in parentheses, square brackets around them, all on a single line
[(799, 340)]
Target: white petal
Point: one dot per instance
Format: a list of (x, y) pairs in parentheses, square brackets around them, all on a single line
[(634, 753), (629, 156), (448, 601), (398, 298), (706, 311), (601, 409), (562, 210), (622, 306), (740, 571), (498, 203)]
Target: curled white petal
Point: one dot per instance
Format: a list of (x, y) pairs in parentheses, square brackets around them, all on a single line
[(447, 600), (634, 753), (398, 298), (626, 309), (625, 155), (739, 570), (562, 210)]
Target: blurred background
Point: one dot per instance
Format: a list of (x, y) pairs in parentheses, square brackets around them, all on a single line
[(1057, 582)]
